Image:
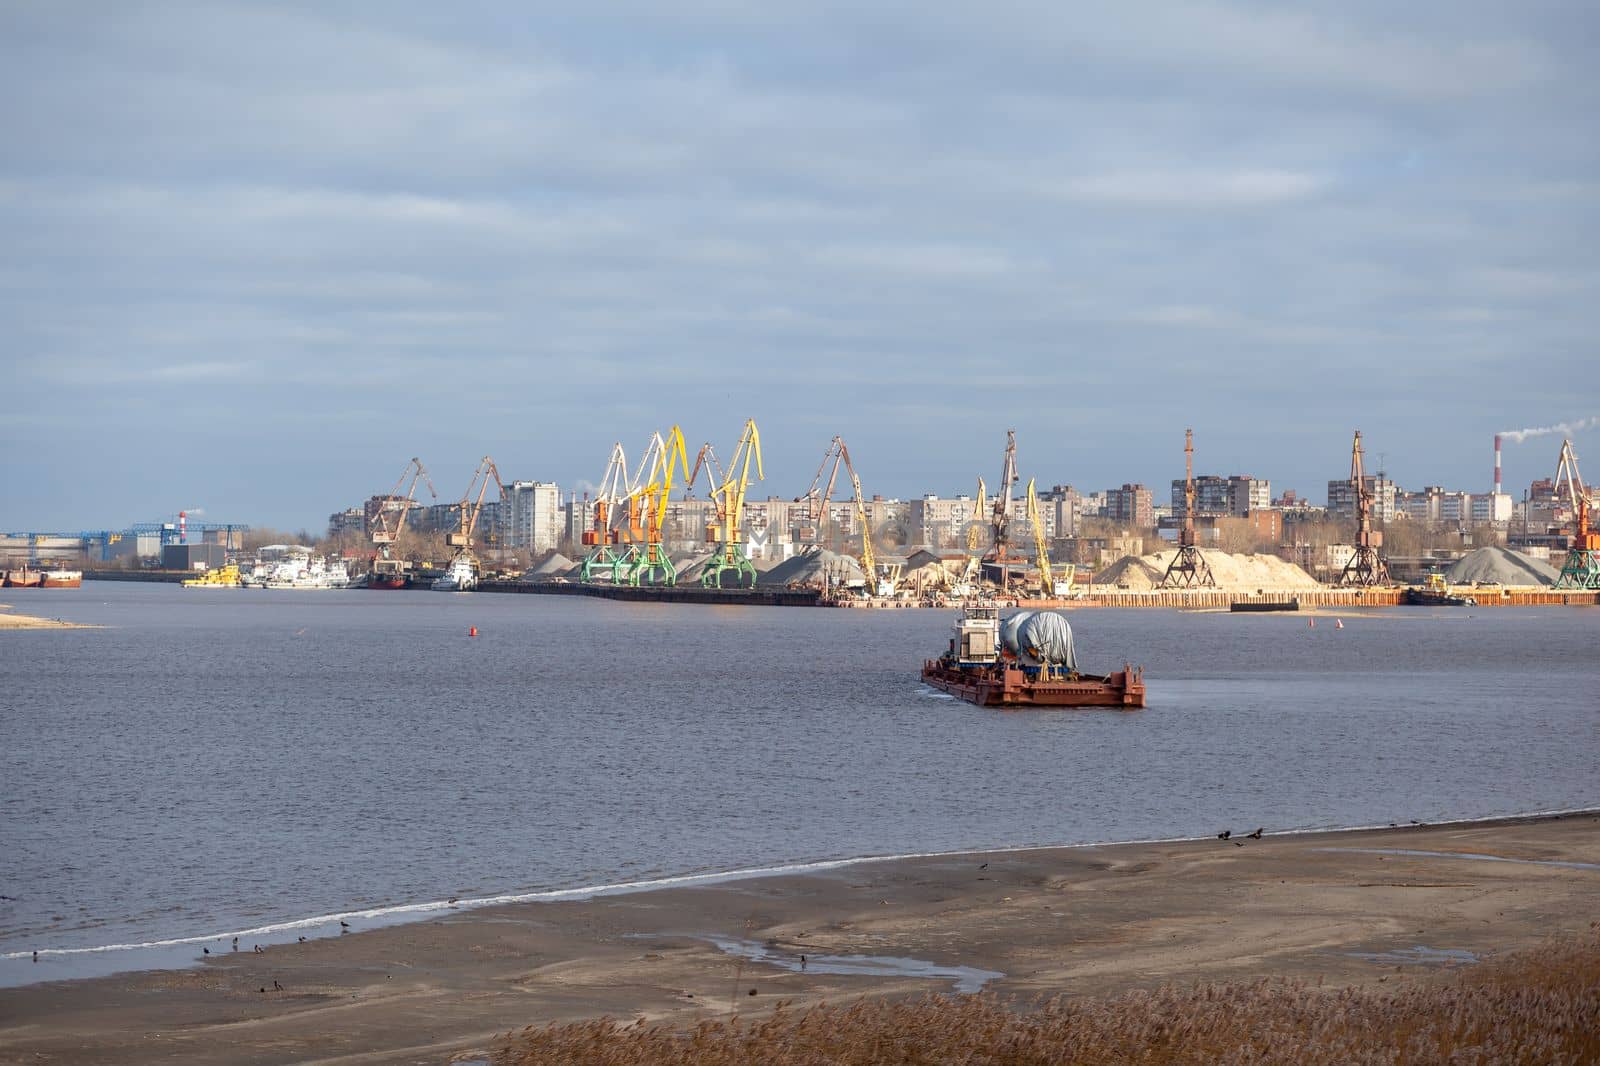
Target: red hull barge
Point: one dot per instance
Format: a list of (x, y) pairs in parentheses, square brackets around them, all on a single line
[(1008, 685), (388, 581)]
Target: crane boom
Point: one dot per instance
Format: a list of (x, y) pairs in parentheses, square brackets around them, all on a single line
[(653, 564), (469, 509), (1047, 581), (728, 496), (383, 533)]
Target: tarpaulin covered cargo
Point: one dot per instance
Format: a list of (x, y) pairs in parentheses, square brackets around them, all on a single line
[(1039, 638)]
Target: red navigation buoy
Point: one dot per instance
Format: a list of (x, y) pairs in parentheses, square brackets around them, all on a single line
[(472, 632), (1338, 623), (1313, 624)]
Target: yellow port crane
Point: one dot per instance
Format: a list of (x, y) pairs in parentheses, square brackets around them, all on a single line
[(1047, 581), (727, 495), (651, 564), (816, 509)]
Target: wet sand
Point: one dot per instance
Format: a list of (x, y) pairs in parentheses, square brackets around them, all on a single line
[(9, 619), (1341, 908)]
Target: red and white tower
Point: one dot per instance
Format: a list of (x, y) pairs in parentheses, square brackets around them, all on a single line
[(1497, 464)]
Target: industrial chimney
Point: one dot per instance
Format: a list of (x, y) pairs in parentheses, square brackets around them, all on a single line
[(1497, 464)]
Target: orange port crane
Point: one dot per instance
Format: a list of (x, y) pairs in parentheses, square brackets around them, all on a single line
[(600, 538), (651, 564), (1581, 570)]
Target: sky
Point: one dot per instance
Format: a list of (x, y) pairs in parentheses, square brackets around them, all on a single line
[(259, 256)]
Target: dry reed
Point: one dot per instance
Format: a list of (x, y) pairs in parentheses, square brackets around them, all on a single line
[(1539, 1006)]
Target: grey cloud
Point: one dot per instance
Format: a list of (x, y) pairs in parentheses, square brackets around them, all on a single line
[(381, 231)]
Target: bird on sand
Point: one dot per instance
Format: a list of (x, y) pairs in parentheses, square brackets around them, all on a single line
[(1238, 843), (276, 987), (235, 943), (343, 924), (1225, 834), (35, 956), (206, 950), (1254, 836), (302, 940), (985, 866)]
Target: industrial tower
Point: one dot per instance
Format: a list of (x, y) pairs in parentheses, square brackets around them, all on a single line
[(1366, 566), (1188, 568)]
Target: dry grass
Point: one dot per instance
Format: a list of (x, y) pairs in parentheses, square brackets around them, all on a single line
[(1542, 1006)]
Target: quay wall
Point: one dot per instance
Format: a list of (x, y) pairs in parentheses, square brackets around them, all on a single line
[(756, 597), (168, 576)]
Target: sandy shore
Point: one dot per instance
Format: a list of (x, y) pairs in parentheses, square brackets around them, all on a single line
[(1343, 908), (9, 619)]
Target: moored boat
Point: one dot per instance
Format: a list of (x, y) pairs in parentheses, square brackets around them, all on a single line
[(23, 578), (461, 577), (223, 577), (59, 578), (1027, 661)]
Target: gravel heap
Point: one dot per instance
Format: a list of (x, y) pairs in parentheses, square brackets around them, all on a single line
[(556, 565), (1233, 573), (1500, 566), (815, 567)]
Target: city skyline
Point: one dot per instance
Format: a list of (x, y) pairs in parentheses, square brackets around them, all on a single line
[(263, 255)]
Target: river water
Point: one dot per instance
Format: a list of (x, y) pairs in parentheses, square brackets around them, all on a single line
[(216, 761)]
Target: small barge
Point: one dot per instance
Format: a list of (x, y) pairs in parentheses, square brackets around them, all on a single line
[(1436, 593), (1256, 606), (1026, 661)]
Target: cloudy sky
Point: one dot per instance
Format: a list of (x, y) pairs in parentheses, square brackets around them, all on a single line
[(258, 256)]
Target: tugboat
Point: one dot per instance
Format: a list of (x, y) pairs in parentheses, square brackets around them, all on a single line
[(1436, 593), (1026, 661)]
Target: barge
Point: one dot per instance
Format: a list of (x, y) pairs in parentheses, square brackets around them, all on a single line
[(1027, 661)]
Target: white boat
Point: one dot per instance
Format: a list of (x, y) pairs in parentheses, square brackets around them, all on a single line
[(291, 566), (461, 577)]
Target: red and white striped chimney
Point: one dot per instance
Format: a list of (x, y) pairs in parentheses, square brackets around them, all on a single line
[(1497, 464), (183, 524)]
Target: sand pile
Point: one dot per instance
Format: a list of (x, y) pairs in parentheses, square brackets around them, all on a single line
[(555, 566), (1233, 573), (815, 567), (1500, 566)]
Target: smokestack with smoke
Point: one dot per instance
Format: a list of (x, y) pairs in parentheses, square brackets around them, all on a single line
[(1517, 436), (1497, 464)]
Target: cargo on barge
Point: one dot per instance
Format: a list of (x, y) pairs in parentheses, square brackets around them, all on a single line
[(1026, 661)]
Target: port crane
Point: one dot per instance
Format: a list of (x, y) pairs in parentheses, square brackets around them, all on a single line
[(468, 510), (727, 495), (1000, 512), (390, 521), (1581, 570), (1188, 568), (601, 538), (1366, 566), (650, 563), (1047, 580), (816, 510)]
